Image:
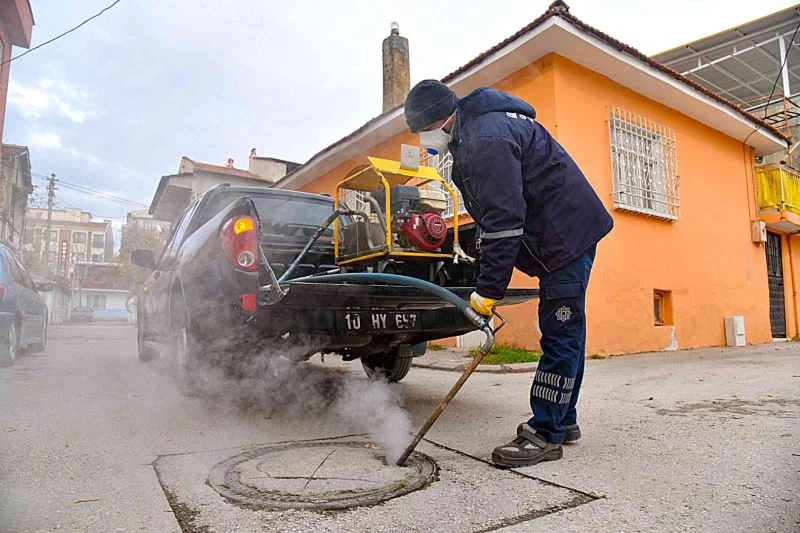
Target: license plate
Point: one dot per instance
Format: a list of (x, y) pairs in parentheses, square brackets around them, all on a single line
[(378, 322)]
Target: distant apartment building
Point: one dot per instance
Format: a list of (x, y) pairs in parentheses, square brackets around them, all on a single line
[(142, 220), (74, 237), (176, 191), (15, 186), (141, 227)]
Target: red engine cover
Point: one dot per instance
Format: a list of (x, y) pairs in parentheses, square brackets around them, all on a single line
[(427, 232)]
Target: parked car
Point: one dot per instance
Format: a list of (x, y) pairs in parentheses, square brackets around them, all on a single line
[(206, 292), (23, 313), (82, 314)]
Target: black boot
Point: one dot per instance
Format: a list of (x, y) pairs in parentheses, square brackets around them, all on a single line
[(527, 449), (571, 436)]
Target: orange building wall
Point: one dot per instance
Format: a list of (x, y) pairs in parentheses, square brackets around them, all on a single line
[(706, 258)]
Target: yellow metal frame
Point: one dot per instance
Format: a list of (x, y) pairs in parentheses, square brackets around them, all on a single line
[(387, 173)]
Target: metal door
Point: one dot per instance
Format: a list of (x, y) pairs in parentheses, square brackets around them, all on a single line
[(777, 304)]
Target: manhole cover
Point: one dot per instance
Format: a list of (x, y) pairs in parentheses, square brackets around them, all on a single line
[(318, 475)]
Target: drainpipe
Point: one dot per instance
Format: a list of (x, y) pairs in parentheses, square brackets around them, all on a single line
[(795, 311)]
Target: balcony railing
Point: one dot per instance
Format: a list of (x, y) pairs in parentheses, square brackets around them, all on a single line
[(778, 189)]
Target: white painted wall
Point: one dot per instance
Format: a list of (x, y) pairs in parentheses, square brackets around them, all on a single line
[(115, 308)]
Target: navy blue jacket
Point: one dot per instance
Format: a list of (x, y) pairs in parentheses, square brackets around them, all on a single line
[(537, 210)]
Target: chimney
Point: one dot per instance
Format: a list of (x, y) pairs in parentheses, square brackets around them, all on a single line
[(396, 69), (252, 162)]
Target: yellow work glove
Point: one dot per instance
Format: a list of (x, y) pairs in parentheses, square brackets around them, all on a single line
[(482, 305)]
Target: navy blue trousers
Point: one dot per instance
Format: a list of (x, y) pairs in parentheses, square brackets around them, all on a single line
[(562, 321)]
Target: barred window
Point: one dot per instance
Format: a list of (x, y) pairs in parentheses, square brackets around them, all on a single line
[(445, 167), (355, 200), (644, 165)]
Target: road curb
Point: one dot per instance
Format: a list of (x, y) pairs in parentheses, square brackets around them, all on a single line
[(513, 368)]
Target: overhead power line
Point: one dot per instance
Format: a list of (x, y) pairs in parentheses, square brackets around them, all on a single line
[(100, 194), (26, 52), (80, 188)]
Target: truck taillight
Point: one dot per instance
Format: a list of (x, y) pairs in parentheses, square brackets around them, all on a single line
[(239, 239)]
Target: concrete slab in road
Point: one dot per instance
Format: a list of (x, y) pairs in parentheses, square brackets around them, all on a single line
[(467, 496)]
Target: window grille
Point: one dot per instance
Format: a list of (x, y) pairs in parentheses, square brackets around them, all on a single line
[(355, 200), (644, 165), (445, 168)]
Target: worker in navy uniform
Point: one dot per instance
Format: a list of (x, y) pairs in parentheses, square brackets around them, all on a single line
[(537, 212)]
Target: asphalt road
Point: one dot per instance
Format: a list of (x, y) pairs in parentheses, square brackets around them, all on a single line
[(91, 439)]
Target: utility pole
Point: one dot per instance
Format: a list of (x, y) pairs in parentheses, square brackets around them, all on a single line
[(51, 196)]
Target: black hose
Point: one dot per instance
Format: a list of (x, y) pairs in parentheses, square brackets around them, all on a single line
[(317, 234)]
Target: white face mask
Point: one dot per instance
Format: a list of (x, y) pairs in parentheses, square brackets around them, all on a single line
[(436, 139)]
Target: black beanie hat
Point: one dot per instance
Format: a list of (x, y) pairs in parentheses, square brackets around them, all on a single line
[(427, 102)]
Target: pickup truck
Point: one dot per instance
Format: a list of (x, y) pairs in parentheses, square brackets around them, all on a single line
[(205, 296)]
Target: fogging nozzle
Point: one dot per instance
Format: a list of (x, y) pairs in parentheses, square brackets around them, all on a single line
[(478, 320), (488, 344)]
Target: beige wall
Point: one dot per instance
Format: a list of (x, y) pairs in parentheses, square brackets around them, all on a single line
[(268, 169)]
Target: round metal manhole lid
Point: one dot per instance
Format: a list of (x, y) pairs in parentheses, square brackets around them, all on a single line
[(318, 475)]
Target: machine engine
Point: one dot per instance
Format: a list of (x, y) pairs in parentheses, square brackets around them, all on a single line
[(416, 217), (396, 222), (425, 231)]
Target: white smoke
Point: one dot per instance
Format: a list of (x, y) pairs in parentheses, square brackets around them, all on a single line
[(374, 406), (268, 380)]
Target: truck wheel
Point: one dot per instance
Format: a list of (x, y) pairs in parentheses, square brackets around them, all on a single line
[(185, 358), (189, 352), (390, 366), (146, 353)]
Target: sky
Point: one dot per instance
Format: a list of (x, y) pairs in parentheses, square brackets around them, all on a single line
[(114, 105)]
